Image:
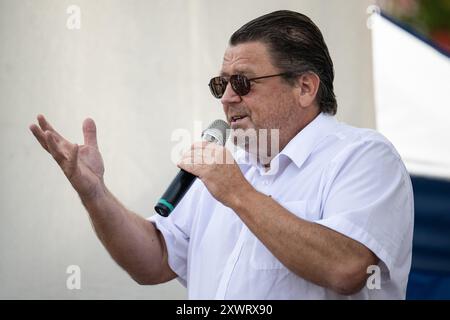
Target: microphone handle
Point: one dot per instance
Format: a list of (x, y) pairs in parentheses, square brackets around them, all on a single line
[(175, 192)]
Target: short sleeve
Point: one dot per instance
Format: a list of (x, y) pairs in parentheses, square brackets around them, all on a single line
[(368, 197), (176, 230)]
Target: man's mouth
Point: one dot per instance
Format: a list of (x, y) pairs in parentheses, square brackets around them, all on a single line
[(234, 119)]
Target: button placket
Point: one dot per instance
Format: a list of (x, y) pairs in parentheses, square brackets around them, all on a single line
[(230, 265)]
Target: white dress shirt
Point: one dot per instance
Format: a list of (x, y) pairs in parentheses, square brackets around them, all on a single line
[(348, 179)]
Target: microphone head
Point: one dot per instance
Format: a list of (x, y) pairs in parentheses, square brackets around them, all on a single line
[(217, 132)]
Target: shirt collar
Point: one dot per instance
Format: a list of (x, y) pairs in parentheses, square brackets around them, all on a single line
[(304, 143), (301, 146)]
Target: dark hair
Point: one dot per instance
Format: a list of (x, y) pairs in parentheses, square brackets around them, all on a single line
[(296, 45)]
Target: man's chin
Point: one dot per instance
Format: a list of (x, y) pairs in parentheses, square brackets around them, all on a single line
[(245, 139)]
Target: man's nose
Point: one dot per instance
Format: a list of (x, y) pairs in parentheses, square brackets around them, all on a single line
[(230, 96)]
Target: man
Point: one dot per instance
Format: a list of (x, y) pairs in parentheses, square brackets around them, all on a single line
[(338, 204)]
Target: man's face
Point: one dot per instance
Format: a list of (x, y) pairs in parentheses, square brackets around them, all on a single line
[(271, 102)]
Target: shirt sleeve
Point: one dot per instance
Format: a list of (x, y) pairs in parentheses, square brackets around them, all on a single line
[(368, 197), (176, 230)]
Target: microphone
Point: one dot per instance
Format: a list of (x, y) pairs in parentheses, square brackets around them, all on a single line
[(217, 132)]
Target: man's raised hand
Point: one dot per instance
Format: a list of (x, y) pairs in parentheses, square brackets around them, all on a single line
[(82, 165)]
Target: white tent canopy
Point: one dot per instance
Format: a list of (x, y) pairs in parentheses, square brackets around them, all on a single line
[(412, 91)]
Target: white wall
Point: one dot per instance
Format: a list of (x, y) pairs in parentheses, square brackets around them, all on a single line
[(140, 69)]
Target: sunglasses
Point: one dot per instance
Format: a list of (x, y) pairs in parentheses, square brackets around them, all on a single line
[(239, 83)]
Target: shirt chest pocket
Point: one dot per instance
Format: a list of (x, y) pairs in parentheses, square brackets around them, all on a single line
[(260, 257)]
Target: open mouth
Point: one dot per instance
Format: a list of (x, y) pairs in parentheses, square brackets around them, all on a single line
[(237, 118)]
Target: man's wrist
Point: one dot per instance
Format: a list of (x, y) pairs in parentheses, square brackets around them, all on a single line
[(243, 197), (95, 196)]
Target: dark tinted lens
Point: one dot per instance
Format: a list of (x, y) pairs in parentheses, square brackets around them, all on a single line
[(217, 86), (240, 84)]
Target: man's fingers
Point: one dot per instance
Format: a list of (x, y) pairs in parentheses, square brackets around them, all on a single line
[(192, 157), (200, 145), (39, 134), (47, 127), (44, 123), (90, 133), (53, 148)]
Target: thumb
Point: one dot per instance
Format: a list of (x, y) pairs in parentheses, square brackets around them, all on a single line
[(90, 133)]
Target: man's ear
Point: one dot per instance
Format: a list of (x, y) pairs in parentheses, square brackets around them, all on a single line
[(307, 85)]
